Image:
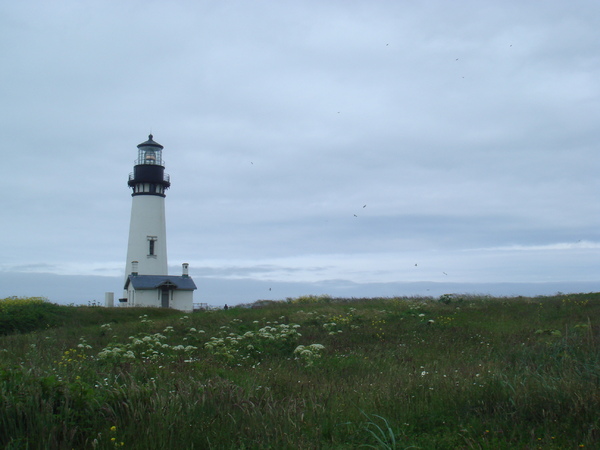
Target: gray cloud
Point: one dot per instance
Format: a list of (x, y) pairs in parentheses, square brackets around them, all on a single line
[(461, 126)]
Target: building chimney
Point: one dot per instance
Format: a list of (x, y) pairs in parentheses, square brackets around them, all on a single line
[(184, 270), (134, 267)]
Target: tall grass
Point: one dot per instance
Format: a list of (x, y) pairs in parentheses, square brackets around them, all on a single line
[(311, 372)]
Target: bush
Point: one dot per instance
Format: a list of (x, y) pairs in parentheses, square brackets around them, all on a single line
[(23, 315)]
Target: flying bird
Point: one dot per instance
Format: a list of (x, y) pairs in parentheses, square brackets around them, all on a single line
[(364, 206)]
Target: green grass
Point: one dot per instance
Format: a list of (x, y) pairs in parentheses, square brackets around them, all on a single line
[(392, 373)]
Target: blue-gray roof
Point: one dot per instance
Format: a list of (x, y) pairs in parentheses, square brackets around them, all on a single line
[(156, 281)]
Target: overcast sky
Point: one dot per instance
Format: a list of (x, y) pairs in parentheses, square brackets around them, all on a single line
[(309, 143)]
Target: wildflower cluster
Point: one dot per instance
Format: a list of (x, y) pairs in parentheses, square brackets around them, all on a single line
[(337, 323), (450, 298), (146, 347), (116, 353), (314, 315), (425, 319), (342, 319), (415, 311), (145, 320), (112, 439), (311, 299), (309, 354), (445, 320), (83, 344), (378, 327), (574, 302), (252, 344), (72, 359)]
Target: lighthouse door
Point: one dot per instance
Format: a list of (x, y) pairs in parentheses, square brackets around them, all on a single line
[(165, 297)]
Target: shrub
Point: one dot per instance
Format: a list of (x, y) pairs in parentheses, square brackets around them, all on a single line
[(22, 315)]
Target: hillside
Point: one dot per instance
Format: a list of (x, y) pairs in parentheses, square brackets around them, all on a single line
[(307, 372)]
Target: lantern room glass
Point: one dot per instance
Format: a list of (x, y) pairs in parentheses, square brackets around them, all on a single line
[(149, 155)]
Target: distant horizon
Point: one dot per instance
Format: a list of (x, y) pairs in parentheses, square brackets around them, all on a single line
[(86, 289)]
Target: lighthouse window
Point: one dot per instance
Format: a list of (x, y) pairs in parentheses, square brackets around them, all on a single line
[(151, 245)]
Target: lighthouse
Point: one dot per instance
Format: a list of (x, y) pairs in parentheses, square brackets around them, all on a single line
[(147, 228), (147, 282)]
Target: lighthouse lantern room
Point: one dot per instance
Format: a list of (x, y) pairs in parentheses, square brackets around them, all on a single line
[(146, 279)]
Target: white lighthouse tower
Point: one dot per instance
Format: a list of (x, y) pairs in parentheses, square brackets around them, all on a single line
[(147, 228), (147, 282)]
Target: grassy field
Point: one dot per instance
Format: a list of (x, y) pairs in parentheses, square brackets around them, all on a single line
[(311, 372)]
